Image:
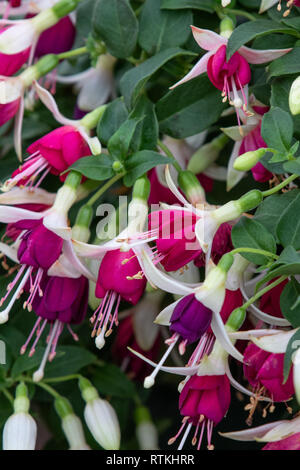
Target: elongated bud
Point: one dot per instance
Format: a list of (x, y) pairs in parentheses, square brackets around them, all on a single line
[(191, 187), (90, 120), (207, 154), (146, 432), (236, 272), (100, 417), (236, 319), (20, 429), (294, 97), (64, 7), (226, 25), (71, 424), (81, 229), (138, 207), (248, 160), (141, 188), (50, 16)]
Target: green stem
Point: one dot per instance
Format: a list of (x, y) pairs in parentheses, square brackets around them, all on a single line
[(168, 152), (280, 186), (256, 251), (64, 378), (43, 385), (237, 12), (73, 53), (8, 395), (263, 291), (103, 188)]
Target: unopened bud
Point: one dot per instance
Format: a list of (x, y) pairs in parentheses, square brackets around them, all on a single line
[(226, 25), (207, 154), (191, 187), (248, 160), (236, 319), (294, 97)]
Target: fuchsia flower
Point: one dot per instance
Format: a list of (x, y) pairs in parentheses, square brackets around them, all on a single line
[(53, 153), (59, 301), (266, 4), (264, 370), (204, 401), (11, 92), (11, 63), (270, 301), (119, 277), (289, 443), (229, 76)]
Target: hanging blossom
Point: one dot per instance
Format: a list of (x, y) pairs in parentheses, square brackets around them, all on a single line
[(266, 4), (249, 139), (280, 435), (232, 76)]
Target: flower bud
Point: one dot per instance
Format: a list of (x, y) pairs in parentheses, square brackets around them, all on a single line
[(236, 272), (294, 97), (248, 160), (226, 25), (20, 429), (207, 154), (81, 229), (146, 432), (191, 187), (100, 417), (236, 319), (71, 425)]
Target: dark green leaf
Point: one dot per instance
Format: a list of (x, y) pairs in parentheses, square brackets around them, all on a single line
[(96, 167), (205, 5), (288, 263), (116, 23), (288, 302), (189, 108), (115, 114), (133, 82), (141, 162), (293, 345), (25, 363), (110, 380), (71, 359), (248, 233), (162, 29), (146, 133), (277, 129), (252, 29), (288, 226), (292, 166), (118, 144), (288, 64)]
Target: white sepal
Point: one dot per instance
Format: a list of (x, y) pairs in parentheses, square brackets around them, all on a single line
[(19, 432), (103, 423)]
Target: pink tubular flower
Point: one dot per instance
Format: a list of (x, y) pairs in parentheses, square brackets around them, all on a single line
[(120, 277), (203, 401), (229, 76), (11, 63), (289, 443), (53, 153), (61, 301), (264, 371)]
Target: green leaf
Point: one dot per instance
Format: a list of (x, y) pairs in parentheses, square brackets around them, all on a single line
[(110, 380), (147, 131), (205, 5), (115, 114), (141, 162), (248, 233), (162, 29), (96, 167), (277, 129), (116, 23), (288, 302), (293, 345), (288, 64), (118, 144), (252, 29), (71, 360), (288, 226), (271, 208), (288, 263), (292, 166), (133, 82), (189, 108), (25, 363)]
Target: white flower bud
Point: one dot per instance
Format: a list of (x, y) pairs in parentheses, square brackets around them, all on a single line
[(73, 430), (294, 97), (19, 432), (103, 423)]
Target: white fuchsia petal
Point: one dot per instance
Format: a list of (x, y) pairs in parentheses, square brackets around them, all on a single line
[(198, 69), (14, 214), (255, 56), (234, 176), (253, 433), (26, 196), (266, 4), (276, 343), (221, 334), (208, 40), (164, 317)]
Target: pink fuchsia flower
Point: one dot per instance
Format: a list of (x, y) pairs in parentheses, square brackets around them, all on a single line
[(229, 76), (53, 153), (11, 93), (281, 435), (221, 244), (11, 63), (247, 138), (266, 4), (264, 371), (61, 302), (125, 281)]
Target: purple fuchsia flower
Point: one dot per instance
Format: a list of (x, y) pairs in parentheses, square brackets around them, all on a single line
[(232, 76), (60, 302), (53, 153), (280, 435), (125, 281)]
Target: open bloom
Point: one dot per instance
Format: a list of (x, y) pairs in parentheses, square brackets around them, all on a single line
[(232, 76), (11, 92), (11, 63), (53, 153)]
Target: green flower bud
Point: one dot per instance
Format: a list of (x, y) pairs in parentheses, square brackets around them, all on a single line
[(190, 185), (250, 200), (141, 188), (236, 319), (207, 154), (64, 7), (63, 407), (248, 160)]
